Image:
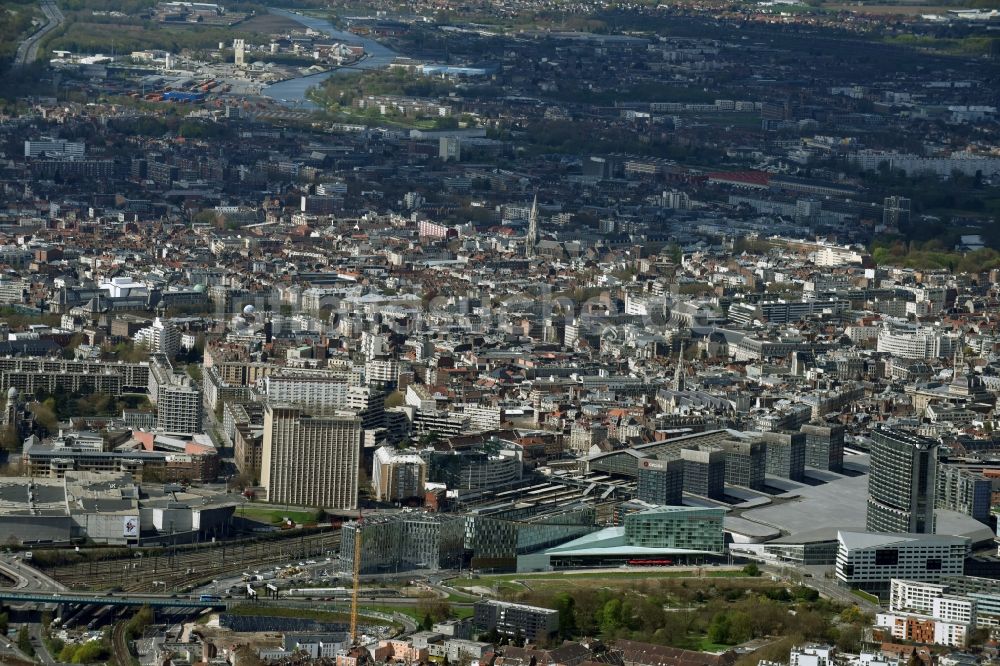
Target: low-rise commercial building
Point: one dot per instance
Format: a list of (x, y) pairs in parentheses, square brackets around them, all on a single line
[(508, 619), (664, 535), (110, 508), (870, 561)]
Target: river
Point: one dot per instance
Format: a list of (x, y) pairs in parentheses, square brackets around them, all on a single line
[(293, 91)]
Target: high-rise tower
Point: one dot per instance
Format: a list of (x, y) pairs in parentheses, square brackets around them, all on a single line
[(239, 52), (901, 482), (311, 459)]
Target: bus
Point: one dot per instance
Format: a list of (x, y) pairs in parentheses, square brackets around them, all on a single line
[(209, 598), (650, 563)]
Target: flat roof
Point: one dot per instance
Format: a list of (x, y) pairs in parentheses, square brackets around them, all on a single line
[(47, 495), (749, 528), (841, 501), (872, 540)]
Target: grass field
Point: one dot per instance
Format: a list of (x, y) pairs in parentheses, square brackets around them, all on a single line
[(318, 614), (265, 514), (864, 595), (299, 613), (510, 586), (708, 646), (586, 578), (965, 46), (270, 516), (414, 611), (83, 34)]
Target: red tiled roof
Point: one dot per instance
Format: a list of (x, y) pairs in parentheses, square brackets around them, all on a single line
[(646, 654), (758, 178)]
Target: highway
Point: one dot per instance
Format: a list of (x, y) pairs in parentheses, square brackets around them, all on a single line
[(27, 51), (10, 650), (42, 655), (95, 599), (27, 577)]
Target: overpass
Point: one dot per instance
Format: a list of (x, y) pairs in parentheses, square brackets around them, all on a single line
[(85, 599)]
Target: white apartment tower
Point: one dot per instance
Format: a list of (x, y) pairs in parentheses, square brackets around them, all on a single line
[(160, 337), (178, 398)]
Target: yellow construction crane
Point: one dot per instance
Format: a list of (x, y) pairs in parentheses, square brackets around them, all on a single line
[(357, 581)]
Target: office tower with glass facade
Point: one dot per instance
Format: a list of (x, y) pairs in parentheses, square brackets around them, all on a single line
[(680, 527), (661, 481), (405, 541), (745, 463), (824, 445), (964, 490), (786, 454), (704, 472), (901, 483)]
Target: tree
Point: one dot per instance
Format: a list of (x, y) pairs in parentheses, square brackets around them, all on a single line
[(395, 399), (718, 630), (428, 622), (437, 608), (139, 622), (24, 641), (751, 569), (852, 614), (9, 439), (86, 653), (850, 638), (674, 252), (740, 627), (45, 414), (567, 615)]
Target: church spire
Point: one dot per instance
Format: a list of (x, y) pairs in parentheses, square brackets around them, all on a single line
[(531, 240), (961, 383), (679, 370)]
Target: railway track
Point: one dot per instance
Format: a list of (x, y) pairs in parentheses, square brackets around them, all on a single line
[(119, 645), (166, 571)]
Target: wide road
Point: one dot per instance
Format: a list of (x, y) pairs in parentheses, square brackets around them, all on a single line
[(42, 654), (815, 579), (27, 51), (107, 599), (10, 652), (26, 577)]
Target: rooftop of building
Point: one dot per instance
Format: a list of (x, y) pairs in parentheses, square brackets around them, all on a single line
[(862, 540)]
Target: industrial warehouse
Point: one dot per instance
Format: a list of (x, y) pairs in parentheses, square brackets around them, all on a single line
[(109, 508)]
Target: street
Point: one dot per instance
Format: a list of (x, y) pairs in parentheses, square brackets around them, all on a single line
[(27, 51)]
